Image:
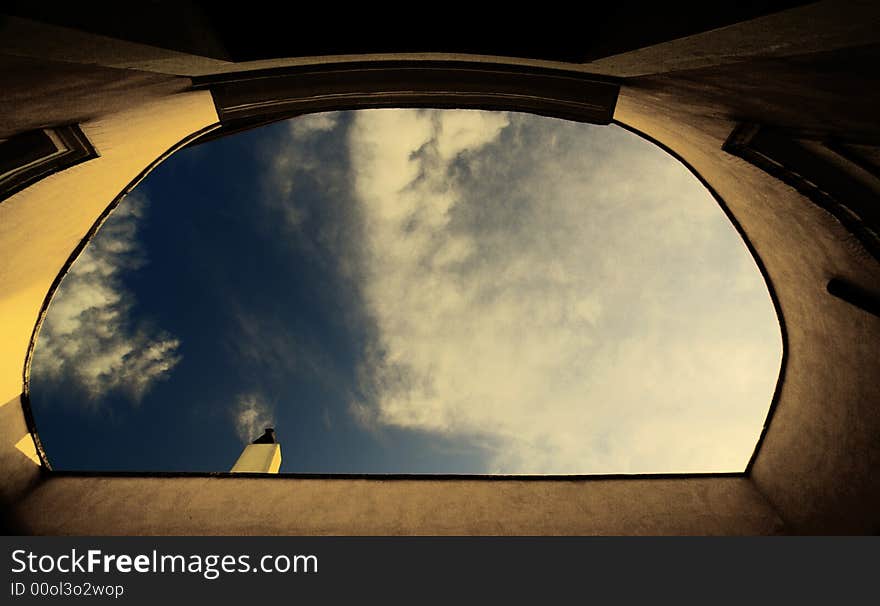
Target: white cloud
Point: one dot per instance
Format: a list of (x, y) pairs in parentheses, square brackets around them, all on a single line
[(310, 124), (251, 415), (570, 292), (88, 336)]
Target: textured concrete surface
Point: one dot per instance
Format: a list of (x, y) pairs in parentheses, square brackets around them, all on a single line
[(277, 505)]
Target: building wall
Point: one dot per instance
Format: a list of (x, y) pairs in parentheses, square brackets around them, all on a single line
[(41, 226), (279, 506)]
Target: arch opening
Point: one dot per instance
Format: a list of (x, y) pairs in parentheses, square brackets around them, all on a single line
[(413, 291)]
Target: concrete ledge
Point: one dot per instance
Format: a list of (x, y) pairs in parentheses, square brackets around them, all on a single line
[(284, 506)]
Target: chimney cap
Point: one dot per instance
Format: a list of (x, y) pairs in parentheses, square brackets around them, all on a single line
[(268, 437)]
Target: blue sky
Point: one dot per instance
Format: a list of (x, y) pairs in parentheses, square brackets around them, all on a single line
[(413, 291)]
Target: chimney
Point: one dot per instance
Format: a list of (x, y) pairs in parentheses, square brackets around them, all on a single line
[(261, 456)]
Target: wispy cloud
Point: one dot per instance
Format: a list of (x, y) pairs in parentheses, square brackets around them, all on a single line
[(89, 337), (266, 344), (251, 414), (569, 292), (310, 124), (305, 164)]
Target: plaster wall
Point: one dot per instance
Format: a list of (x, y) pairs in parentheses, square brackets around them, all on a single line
[(42, 225), (278, 506)]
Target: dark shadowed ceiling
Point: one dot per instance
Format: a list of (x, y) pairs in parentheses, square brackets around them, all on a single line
[(220, 31)]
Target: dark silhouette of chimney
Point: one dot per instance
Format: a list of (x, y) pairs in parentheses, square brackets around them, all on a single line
[(268, 437)]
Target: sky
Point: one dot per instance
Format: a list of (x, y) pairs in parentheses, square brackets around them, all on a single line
[(412, 291)]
